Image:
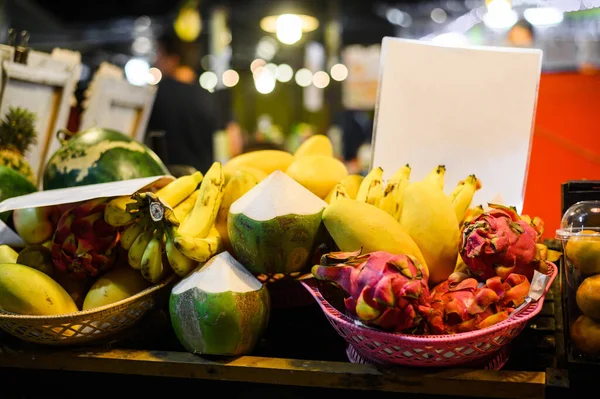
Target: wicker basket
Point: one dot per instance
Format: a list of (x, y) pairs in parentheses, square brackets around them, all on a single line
[(427, 350), (87, 326)]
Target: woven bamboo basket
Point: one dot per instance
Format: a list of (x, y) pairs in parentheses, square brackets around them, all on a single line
[(85, 327)]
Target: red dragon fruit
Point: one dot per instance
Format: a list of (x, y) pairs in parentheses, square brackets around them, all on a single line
[(84, 244), (498, 243), (387, 291), (460, 304)]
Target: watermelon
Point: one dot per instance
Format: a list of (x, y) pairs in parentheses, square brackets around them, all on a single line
[(99, 155), (13, 184), (219, 308)]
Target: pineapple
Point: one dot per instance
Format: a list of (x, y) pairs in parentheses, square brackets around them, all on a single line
[(17, 134)]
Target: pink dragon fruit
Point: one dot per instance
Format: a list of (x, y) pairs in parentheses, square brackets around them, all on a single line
[(461, 305), (498, 243), (387, 291), (84, 244)]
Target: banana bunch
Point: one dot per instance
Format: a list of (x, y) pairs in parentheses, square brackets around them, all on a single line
[(172, 228), (389, 196)]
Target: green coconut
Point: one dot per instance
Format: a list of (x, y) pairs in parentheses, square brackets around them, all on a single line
[(274, 227), (219, 308)]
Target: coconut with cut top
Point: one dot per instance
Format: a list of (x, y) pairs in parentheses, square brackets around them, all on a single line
[(219, 308), (275, 226)]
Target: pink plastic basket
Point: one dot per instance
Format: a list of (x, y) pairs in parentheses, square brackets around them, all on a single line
[(496, 361), (427, 350)]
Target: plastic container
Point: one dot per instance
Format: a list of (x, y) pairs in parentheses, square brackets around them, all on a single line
[(579, 233)]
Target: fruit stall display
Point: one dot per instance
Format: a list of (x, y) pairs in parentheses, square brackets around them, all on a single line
[(408, 262)]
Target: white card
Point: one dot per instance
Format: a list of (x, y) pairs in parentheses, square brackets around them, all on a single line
[(469, 108)]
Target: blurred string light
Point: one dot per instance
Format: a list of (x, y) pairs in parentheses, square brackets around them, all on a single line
[(304, 77), (285, 73), (398, 17), (266, 48), (272, 68), (543, 16), (136, 71), (320, 79), (230, 78), (500, 15), (257, 63), (141, 45), (154, 76), (339, 72), (264, 80), (208, 81), (289, 27), (188, 24), (438, 15)]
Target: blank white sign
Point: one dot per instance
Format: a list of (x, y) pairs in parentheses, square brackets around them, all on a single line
[(468, 108)]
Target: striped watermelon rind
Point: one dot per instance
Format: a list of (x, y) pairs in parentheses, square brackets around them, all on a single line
[(99, 156)]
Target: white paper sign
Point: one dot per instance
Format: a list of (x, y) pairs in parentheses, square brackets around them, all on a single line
[(73, 194), (469, 108)]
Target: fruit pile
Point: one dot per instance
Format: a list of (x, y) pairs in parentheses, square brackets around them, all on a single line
[(410, 258), (582, 253)]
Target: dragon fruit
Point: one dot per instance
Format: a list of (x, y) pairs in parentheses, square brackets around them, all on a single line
[(84, 244), (460, 304), (498, 243), (386, 291)]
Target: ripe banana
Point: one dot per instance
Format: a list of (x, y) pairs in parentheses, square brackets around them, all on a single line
[(239, 184), (181, 264), (391, 202), (371, 188), (202, 217), (152, 261), (184, 208), (131, 232), (436, 176), (136, 251), (198, 248), (339, 191), (180, 189), (463, 194), (116, 213)]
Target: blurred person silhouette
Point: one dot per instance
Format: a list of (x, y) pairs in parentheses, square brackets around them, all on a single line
[(183, 110)]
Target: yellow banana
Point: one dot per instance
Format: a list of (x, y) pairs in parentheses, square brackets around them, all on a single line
[(184, 208), (152, 261), (180, 189), (200, 249), (202, 217), (239, 184), (371, 188), (136, 251), (181, 264), (391, 202), (339, 191), (463, 194), (130, 233), (116, 213), (436, 176)]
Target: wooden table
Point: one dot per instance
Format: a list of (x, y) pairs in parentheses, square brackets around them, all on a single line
[(300, 355)]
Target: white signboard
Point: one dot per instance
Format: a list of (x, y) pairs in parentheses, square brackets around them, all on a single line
[(469, 108)]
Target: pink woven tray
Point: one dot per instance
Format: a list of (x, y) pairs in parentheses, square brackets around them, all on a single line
[(427, 350)]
